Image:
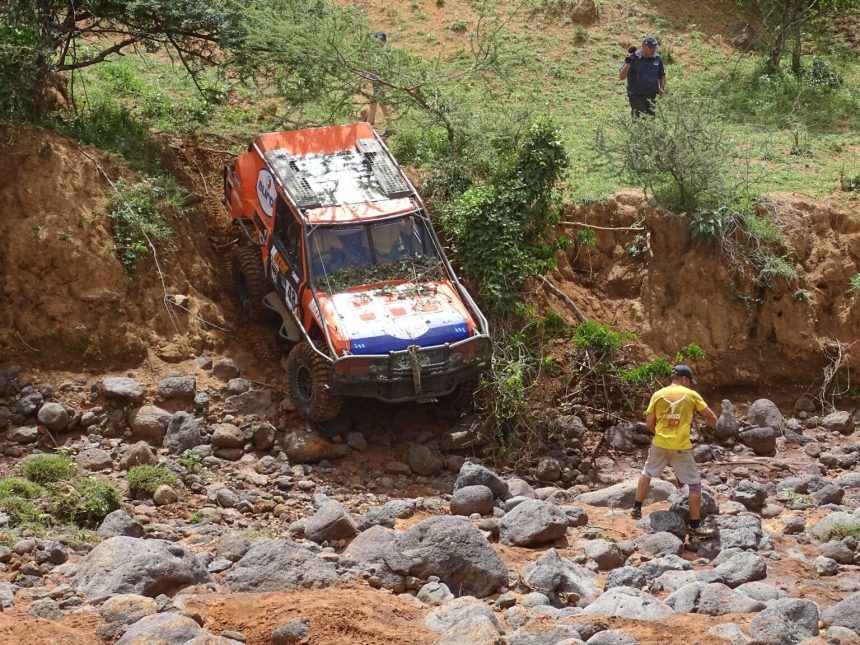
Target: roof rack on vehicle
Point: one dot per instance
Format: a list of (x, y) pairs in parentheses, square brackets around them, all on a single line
[(286, 169), (390, 180)]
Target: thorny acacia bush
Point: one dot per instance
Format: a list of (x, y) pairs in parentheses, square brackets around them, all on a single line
[(501, 231)]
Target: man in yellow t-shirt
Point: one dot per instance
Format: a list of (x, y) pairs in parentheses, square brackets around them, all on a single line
[(670, 417)]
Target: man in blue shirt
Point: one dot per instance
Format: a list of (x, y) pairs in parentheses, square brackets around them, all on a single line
[(646, 78)]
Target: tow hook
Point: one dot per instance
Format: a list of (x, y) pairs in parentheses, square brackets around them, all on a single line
[(416, 367)]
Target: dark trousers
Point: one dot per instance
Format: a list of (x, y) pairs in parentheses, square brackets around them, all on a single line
[(640, 104)]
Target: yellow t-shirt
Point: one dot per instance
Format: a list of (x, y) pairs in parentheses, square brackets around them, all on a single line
[(674, 407)]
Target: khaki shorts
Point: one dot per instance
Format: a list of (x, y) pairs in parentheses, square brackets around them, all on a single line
[(681, 461)]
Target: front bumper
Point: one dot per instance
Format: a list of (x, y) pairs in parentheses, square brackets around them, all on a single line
[(412, 374)]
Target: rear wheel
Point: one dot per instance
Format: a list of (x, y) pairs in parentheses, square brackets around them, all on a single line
[(307, 377), (249, 283)]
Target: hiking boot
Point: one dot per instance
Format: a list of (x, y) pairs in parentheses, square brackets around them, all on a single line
[(636, 513), (385, 134), (700, 532)]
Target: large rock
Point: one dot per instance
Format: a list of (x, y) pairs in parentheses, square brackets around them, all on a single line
[(727, 423), (764, 413), (761, 439), (742, 567), (472, 499), (460, 610), (54, 417), (126, 609), (178, 387), (685, 599), (836, 526), (183, 433), (743, 531), (280, 564), (625, 577), (227, 435), (476, 475), (310, 447), (330, 522), (626, 602), (119, 523), (164, 629), (680, 504), (94, 459), (368, 549), (122, 389), (604, 553), (785, 622), (424, 461), (149, 423), (716, 599), (23, 434), (664, 522), (839, 421), (623, 494), (749, 493), (657, 545), (558, 577), (453, 549), (844, 614), (532, 522), (388, 513), (137, 454), (145, 567)]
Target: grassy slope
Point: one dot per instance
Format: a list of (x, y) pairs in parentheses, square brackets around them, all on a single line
[(571, 72)]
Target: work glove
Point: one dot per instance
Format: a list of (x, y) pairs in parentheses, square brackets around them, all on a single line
[(629, 59)]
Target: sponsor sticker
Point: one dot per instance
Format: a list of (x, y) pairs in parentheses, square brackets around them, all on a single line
[(266, 193)]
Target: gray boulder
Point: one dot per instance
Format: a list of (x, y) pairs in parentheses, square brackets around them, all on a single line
[(829, 494), (743, 531), (605, 554), (664, 522), (659, 566), (368, 549), (745, 566), (785, 622), (330, 522), (764, 413), (837, 551), (178, 387), (608, 637), (94, 459), (558, 577), (54, 417), (227, 435), (476, 475), (149, 423), (844, 614), (520, 488), (762, 440), (310, 447), (273, 565), (625, 577), (840, 421), (260, 402), (727, 423), (23, 434), (122, 389), (225, 369), (623, 494), (119, 523), (137, 454), (685, 599), (626, 602), (532, 522), (131, 565), (657, 545), (387, 514), (716, 599), (183, 433), (126, 609), (472, 499), (460, 610), (291, 632), (749, 493), (836, 525), (165, 629), (46, 608), (424, 461), (761, 591), (680, 504), (453, 549)]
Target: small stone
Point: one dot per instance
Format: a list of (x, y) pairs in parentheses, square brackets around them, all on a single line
[(45, 608), (826, 566), (94, 459), (291, 632), (163, 495), (137, 454), (54, 417), (122, 389), (23, 435), (225, 369)]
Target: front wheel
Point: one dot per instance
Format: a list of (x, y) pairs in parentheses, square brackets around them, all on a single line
[(307, 377), (249, 283)]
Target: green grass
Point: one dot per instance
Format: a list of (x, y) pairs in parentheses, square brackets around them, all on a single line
[(855, 284), (144, 480), (840, 531), (84, 501), (45, 469)]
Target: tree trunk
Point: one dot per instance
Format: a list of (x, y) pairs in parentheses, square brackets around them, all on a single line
[(795, 52)]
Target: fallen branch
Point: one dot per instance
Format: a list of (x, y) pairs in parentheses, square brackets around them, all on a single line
[(560, 294), (30, 347), (635, 227)]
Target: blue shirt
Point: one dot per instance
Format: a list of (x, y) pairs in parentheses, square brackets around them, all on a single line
[(644, 76)]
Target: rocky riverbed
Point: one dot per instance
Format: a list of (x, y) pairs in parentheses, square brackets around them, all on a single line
[(247, 525)]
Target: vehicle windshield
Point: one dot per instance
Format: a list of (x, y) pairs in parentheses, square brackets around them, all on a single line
[(347, 256)]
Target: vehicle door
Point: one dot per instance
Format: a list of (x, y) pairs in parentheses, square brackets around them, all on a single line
[(286, 270)]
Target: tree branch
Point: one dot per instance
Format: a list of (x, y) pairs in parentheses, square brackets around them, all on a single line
[(114, 49)]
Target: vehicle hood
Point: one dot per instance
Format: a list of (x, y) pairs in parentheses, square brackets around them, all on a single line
[(390, 317)]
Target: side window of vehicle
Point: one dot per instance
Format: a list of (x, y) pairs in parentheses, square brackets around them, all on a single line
[(289, 233)]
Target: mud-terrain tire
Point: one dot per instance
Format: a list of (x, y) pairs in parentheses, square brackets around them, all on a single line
[(307, 375), (249, 283), (462, 400)]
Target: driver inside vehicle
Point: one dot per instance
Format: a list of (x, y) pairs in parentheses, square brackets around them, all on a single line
[(337, 249)]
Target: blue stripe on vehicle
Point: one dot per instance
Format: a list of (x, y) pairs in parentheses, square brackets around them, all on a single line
[(384, 343)]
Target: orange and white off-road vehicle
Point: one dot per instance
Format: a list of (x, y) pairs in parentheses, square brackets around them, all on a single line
[(340, 246)]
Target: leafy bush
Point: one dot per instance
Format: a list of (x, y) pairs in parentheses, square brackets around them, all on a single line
[(191, 461), (501, 231), (679, 154), (840, 531), (46, 469), (144, 480), (84, 501), (709, 226), (820, 75), (600, 339), (138, 214), (21, 511), (855, 284), (459, 25), (18, 487), (692, 352), (647, 372)]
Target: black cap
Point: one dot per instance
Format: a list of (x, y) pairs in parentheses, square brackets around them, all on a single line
[(683, 370), (380, 37), (650, 41)]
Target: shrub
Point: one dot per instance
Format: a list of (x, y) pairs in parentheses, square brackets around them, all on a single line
[(21, 511), (601, 339), (144, 480), (692, 352), (191, 461), (840, 531), (647, 372), (45, 469), (459, 25), (679, 154), (18, 487), (855, 284), (84, 501)]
